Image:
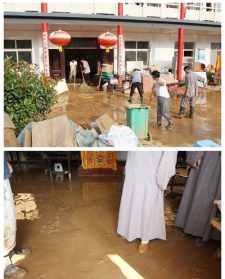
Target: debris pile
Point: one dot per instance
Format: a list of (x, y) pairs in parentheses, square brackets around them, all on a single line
[(26, 207), (61, 131)]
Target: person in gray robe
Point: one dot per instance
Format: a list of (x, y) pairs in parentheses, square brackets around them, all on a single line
[(203, 186), (191, 92), (141, 214)]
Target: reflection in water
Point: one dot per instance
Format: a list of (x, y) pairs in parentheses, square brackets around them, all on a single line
[(125, 268)]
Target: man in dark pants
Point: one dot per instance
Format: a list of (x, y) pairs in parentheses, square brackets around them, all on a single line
[(136, 82)]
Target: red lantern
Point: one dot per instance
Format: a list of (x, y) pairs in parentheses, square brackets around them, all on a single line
[(107, 40), (60, 38)]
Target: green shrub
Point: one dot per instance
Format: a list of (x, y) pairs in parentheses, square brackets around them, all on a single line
[(28, 96)]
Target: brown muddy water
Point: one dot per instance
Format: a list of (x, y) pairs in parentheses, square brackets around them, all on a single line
[(85, 107), (71, 229)]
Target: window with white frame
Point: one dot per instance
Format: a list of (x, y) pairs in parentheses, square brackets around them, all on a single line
[(196, 6), (18, 50), (188, 51), (137, 51), (154, 5), (172, 5)]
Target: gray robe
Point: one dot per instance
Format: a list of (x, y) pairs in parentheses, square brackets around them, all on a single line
[(141, 212), (202, 188), (191, 81)]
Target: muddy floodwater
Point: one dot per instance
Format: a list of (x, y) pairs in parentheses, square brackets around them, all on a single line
[(71, 229), (85, 107)]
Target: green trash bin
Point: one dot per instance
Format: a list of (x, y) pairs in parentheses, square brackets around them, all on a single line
[(138, 119)]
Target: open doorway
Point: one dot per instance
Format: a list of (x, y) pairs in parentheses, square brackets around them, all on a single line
[(93, 56)]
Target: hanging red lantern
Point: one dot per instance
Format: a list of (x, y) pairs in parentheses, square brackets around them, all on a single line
[(107, 41), (60, 38)]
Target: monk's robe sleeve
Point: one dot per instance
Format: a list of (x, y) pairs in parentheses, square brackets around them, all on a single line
[(166, 169)]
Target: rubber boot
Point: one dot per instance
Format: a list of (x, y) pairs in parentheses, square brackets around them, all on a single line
[(191, 112), (182, 111)]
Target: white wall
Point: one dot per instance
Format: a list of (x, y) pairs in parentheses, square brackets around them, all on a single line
[(131, 9), (162, 46)]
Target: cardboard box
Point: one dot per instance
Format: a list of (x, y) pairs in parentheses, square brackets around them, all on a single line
[(10, 139), (104, 122), (55, 132), (27, 138), (8, 122)]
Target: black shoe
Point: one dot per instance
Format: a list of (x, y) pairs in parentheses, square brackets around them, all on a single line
[(158, 124), (191, 113), (181, 112), (170, 126), (129, 100)]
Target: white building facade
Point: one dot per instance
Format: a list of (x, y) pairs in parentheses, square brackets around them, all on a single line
[(150, 31)]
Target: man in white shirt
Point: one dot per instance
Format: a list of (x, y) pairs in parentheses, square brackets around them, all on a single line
[(163, 100), (73, 70), (136, 82), (85, 69)]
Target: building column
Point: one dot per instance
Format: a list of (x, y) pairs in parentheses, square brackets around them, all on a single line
[(180, 44), (120, 48), (44, 28)]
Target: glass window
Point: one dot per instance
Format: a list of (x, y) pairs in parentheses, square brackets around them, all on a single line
[(18, 54), (193, 6), (25, 56), (216, 46), (188, 53), (10, 54), (142, 56), (142, 45), (130, 56), (172, 5), (9, 44), (137, 51), (153, 5), (130, 44), (187, 45), (23, 44)]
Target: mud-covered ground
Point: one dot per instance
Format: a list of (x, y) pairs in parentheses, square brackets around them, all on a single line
[(71, 229), (85, 106)]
